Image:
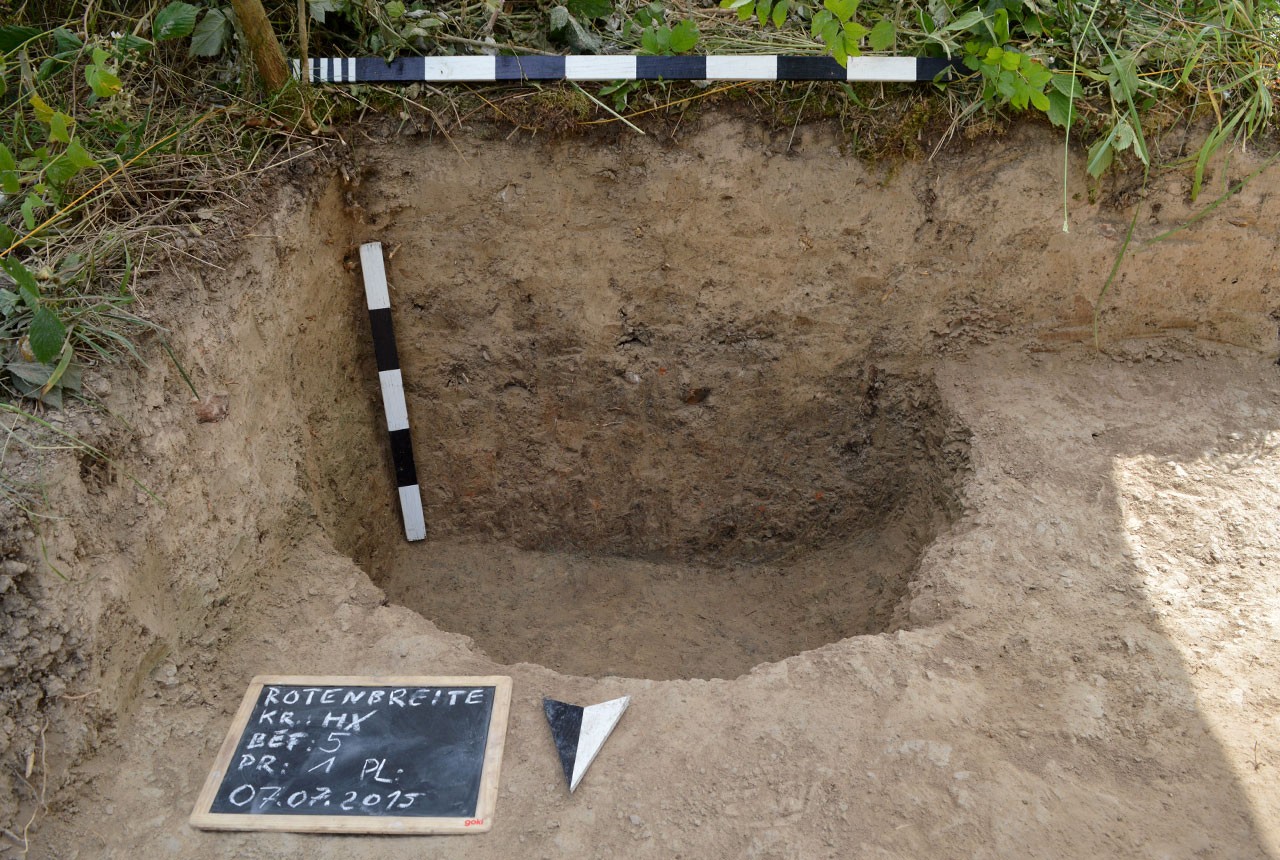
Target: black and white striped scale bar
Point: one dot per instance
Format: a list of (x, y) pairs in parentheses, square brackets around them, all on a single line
[(378, 298), (405, 70)]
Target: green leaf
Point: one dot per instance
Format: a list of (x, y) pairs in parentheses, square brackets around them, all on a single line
[(6, 159), (1037, 75), (831, 33), (853, 34), (14, 37), (965, 21), (174, 21), (649, 41), (819, 22), (1007, 84), (587, 9), (8, 303), (1000, 25), (1010, 61), (26, 282), (1059, 110), (1100, 157), (209, 36), (103, 83), (58, 124), (35, 375), (46, 335), (683, 37), (567, 30), (1122, 74), (132, 44), (28, 209), (838, 51), (763, 7), (60, 171), (780, 10), (11, 186), (78, 155), (1123, 136), (320, 8), (883, 35), (63, 364), (1040, 100), (842, 9), (395, 9), (1067, 85), (66, 41)]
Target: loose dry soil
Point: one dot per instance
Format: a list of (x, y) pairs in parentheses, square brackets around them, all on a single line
[(815, 460)]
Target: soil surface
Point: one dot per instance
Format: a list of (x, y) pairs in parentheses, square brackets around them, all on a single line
[(816, 462)]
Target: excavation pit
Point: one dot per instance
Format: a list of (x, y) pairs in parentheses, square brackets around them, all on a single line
[(644, 450), (1088, 642)]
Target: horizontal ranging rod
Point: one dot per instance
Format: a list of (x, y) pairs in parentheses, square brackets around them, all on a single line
[(405, 70), (378, 297)]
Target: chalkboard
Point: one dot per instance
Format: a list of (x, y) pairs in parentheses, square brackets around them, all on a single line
[(360, 755)]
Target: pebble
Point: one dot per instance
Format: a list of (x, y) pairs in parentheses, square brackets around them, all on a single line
[(635, 820), (13, 567)]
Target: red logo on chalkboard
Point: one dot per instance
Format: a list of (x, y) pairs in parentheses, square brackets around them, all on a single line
[(473, 822)]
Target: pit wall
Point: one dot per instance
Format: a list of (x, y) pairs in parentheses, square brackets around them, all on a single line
[(563, 308), (942, 256), (171, 547)]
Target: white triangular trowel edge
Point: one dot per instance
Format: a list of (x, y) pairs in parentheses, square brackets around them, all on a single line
[(598, 722)]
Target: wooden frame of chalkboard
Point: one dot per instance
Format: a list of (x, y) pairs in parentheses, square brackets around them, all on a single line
[(360, 754)]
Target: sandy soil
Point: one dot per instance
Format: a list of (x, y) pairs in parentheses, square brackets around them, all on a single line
[(1071, 553)]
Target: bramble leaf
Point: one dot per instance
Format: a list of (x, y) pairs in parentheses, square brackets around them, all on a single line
[(174, 21), (13, 37), (1100, 156), (46, 335), (27, 287), (581, 9), (1060, 111), (209, 36)]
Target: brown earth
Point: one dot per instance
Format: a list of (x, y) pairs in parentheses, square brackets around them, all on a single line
[(815, 461)]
